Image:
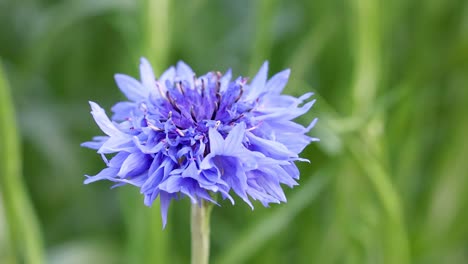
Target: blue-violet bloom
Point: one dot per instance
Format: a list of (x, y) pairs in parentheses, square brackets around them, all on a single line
[(182, 135)]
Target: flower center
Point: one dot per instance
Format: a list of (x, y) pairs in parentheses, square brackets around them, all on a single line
[(205, 102)]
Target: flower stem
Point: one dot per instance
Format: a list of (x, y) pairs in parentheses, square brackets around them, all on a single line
[(200, 230)]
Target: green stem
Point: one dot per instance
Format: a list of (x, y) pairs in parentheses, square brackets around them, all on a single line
[(200, 230), (23, 225), (156, 32)]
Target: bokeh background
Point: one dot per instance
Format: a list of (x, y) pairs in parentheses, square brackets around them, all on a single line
[(387, 183)]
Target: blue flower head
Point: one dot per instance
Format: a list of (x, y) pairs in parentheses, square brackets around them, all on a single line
[(182, 135)]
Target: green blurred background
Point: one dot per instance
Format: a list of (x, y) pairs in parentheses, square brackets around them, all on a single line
[(387, 183)]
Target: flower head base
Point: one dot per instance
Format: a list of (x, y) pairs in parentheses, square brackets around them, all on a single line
[(181, 135)]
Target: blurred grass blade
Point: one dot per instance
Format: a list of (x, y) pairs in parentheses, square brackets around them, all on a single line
[(23, 224), (147, 242), (310, 47), (156, 33), (396, 239), (45, 29), (370, 152), (366, 20), (262, 43), (255, 237), (445, 220)]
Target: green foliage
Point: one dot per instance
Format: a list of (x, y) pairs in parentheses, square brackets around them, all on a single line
[(387, 183)]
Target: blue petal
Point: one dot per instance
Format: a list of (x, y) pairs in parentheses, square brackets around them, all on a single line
[(122, 110), (118, 160), (105, 174), (116, 144), (135, 164), (238, 183), (184, 72), (168, 75), (279, 174), (225, 80), (312, 124), (165, 199), (292, 170), (271, 186), (131, 88), (148, 148), (103, 121), (150, 197), (191, 171), (233, 142), (92, 144), (171, 184), (287, 114), (257, 86), (152, 181), (270, 148), (201, 193), (189, 187), (216, 141), (96, 143), (158, 175), (277, 83), (298, 144), (257, 192), (234, 175), (135, 181), (146, 74), (224, 190), (260, 78)]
